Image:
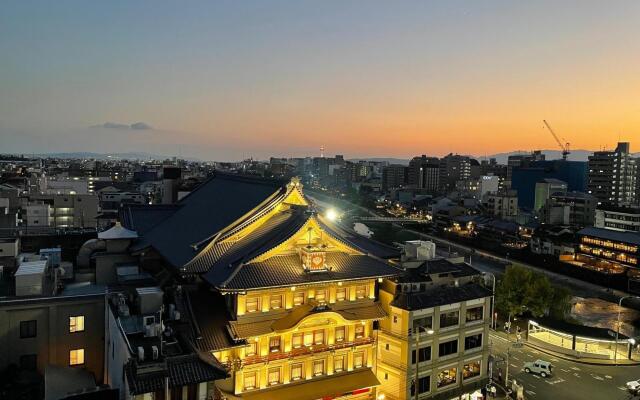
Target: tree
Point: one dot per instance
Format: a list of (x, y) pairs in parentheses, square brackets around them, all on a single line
[(521, 290)]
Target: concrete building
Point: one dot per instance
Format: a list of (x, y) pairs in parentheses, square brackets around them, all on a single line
[(545, 188), (65, 211), (569, 208), (522, 160), (394, 176), (613, 176), (424, 173), (453, 168), (503, 204), (618, 218), (435, 342)]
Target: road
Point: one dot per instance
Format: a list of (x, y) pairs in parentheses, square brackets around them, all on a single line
[(570, 380)]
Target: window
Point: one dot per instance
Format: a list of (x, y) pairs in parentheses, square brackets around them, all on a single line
[(471, 370), (297, 372), (447, 348), (296, 340), (29, 362), (424, 322), (473, 341), (424, 354), (275, 302), (321, 296), (386, 346), (424, 385), (28, 329), (395, 319), (298, 298), (338, 363), (340, 334), (308, 339), (252, 349), (359, 331), (318, 337), (273, 376), (250, 380), (361, 291), (318, 367), (253, 304), (447, 377), (358, 359), (76, 324), (474, 314), (341, 294), (76, 357), (274, 344), (450, 318)]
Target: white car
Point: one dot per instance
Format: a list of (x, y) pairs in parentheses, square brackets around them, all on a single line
[(634, 386), (544, 368)]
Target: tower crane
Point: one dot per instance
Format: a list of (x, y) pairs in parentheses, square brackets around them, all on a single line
[(565, 147)]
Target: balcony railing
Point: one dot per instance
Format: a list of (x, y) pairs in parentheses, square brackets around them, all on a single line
[(314, 349)]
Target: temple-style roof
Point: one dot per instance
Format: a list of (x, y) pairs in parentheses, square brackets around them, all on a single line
[(174, 231), (117, 232)]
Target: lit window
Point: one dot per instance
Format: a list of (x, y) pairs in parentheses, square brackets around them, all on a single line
[(361, 292), (76, 324), (471, 370), (298, 298), (359, 331), (252, 349), (358, 359), (321, 296), (338, 363), (341, 294), (318, 337), (76, 357), (274, 376), (250, 380), (253, 304), (274, 344), (318, 367), (447, 377), (340, 334), (276, 302), (296, 340), (296, 372)]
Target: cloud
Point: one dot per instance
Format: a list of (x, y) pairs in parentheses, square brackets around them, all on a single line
[(138, 126), (141, 126)]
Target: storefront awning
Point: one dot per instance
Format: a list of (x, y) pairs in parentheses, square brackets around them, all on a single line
[(335, 385)]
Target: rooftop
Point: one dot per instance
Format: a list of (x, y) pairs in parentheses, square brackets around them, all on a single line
[(618, 236)]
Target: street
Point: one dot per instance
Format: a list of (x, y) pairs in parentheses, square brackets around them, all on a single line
[(570, 380)]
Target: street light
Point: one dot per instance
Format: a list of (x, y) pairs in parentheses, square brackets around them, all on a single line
[(493, 299), (615, 352), (428, 332)]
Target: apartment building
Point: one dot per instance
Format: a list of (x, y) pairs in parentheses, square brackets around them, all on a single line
[(434, 344), (618, 218), (62, 210), (613, 176)]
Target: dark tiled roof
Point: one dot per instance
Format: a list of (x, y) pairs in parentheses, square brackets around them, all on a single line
[(211, 320), (618, 236), (279, 271), (360, 242), (211, 207), (182, 370), (142, 218), (437, 266), (439, 295), (221, 260)]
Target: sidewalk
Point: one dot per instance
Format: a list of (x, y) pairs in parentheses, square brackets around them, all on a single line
[(622, 361)]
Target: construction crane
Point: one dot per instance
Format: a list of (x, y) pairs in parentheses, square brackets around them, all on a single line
[(565, 147)]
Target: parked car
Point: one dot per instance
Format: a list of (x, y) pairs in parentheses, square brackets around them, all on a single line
[(634, 386), (544, 368)]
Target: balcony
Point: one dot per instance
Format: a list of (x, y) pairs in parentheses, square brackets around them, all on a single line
[(315, 349)]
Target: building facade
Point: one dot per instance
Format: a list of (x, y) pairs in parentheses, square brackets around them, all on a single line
[(613, 176)]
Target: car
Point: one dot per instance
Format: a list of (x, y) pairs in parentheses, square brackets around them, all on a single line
[(544, 368), (634, 386)]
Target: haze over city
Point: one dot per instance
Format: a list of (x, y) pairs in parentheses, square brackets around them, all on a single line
[(228, 80)]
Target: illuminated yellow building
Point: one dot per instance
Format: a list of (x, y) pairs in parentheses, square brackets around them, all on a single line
[(300, 300)]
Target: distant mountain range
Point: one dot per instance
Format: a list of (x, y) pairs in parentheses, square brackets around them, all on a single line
[(501, 158), (108, 156)]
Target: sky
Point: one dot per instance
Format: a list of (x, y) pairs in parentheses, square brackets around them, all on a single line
[(224, 80)]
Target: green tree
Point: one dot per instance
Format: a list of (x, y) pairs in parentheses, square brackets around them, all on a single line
[(561, 303)]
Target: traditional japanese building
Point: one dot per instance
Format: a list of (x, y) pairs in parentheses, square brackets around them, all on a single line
[(278, 293)]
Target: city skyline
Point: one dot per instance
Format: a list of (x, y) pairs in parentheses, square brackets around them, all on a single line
[(224, 81)]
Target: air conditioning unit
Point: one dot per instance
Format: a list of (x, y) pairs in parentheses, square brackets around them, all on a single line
[(150, 330), (140, 353), (155, 351)]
